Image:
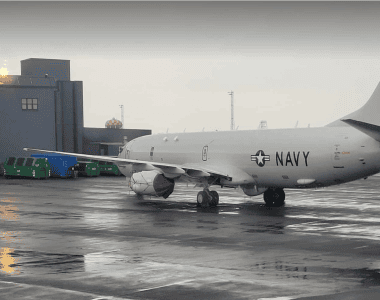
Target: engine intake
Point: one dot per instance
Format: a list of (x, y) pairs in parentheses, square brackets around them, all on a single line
[(151, 183)]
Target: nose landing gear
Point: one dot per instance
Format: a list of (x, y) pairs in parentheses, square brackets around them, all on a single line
[(207, 198)]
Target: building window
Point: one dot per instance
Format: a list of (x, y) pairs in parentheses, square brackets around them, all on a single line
[(29, 104)]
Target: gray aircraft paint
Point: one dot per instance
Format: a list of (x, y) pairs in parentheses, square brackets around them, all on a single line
[(282, 158), (310, 152)]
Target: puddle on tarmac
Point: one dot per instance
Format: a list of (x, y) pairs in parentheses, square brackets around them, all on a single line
[(32, 262), (8, 261), (9, 209), (9, 212)]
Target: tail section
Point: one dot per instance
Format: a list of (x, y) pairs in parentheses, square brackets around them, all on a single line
[(369, 113), (369, 129)]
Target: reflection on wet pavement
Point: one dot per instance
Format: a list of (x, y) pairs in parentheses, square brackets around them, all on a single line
[(91, 235), (33, 262), (9, 212), (7, 261)]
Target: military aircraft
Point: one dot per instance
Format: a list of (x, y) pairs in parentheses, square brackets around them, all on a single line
[(259, 161)]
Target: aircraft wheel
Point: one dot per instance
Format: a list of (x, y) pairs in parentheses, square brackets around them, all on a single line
[(203, 199), (215, 198), (274, 197)]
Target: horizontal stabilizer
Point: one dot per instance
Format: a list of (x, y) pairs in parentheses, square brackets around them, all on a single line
[(369, 129)]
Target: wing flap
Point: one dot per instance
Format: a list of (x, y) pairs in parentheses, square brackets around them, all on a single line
[(197, 173)]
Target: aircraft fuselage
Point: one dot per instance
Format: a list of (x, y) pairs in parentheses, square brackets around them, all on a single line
[(284, 158)]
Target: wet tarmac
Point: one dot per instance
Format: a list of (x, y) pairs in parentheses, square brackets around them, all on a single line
[(90, 238)]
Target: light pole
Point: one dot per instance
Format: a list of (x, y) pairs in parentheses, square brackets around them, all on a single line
[(232, 110), (122, 115)]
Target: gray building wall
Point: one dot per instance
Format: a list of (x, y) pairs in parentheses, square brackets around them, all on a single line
[(38, 67), (94, 137), (57, 124), (26, 128), (69, 114)]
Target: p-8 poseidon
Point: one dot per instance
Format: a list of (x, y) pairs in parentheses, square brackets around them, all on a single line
[(259, 161)]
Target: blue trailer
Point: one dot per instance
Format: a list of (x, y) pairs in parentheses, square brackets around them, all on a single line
[(61, 165)]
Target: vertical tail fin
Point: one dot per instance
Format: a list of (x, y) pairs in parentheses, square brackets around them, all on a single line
[(369, 113)]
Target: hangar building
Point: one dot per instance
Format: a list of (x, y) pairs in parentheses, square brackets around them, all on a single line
[(42, 108)]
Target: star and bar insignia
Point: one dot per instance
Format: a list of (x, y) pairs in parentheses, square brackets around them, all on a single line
[(260, 158)]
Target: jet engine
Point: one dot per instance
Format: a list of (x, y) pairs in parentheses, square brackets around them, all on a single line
[(253, 190), (151, 183)]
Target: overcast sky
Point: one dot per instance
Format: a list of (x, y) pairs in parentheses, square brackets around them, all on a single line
[(172, 64)]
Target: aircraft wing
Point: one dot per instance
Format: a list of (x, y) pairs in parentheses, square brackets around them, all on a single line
[(190, 170)]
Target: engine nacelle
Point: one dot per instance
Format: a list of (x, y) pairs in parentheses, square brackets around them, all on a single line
[(253, 190), (151, 183)]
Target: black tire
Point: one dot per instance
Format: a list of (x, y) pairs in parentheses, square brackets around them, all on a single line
[(274, 197), (215, 198), (202, 199), (199, 199)]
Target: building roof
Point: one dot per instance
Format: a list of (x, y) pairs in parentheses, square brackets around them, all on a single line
[(26, 80), (50, 59), (114, 122)]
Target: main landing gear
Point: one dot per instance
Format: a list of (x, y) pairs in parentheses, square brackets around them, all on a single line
[(207, 198), (274, 197)]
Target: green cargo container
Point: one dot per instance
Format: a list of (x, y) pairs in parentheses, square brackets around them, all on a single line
[(27, 167), (88, 168), (107, 167)]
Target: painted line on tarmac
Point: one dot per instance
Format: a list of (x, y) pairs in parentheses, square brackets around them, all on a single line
[(277, 298), (61, 290), (109, 298), (165, 285), (103, 252)]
